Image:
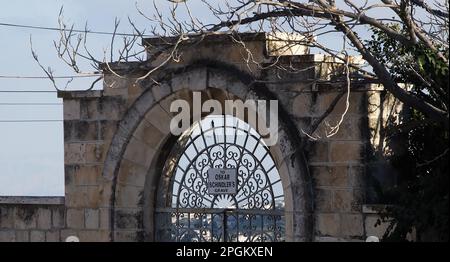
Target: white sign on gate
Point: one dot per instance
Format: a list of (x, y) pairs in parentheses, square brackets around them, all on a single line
[(222, 181)]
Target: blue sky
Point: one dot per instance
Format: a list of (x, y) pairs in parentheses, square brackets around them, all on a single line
[(31, 154)]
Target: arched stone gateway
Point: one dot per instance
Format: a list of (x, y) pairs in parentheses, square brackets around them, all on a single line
[(126, 174), (145, 160)]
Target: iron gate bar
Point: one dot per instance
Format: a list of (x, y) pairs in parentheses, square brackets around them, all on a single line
[(275, 212), (225, 226), (200, 232)]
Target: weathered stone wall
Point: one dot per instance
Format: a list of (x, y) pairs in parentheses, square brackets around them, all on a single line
[(336, 163), (31, 219), (384, 111), (90, 120), (114, 138)]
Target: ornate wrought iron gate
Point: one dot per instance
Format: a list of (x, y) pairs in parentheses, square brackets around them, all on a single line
[(190, 213), (222, 225)]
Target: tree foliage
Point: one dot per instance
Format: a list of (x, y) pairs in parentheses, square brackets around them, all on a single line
[(420, 201)]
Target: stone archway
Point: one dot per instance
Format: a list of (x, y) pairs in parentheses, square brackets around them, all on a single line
[(142, 142)]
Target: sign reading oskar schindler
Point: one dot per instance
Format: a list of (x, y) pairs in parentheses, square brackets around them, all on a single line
[(222, 181)]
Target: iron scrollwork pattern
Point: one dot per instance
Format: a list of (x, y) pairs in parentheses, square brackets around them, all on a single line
[(254, 213)]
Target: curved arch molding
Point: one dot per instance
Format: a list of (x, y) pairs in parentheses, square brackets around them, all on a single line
[(133, 162)]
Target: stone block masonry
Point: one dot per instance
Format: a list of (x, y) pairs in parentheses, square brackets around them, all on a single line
[(115, 141), (34, 219)]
